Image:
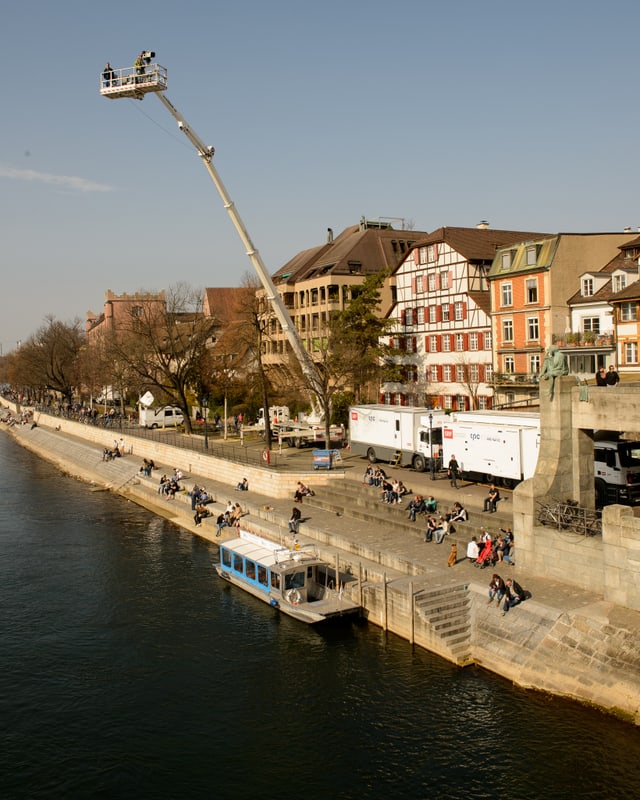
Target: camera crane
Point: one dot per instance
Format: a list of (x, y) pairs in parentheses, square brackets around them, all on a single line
[(150, 78)]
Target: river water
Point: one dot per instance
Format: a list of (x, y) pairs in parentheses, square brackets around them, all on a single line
[(129, 670)]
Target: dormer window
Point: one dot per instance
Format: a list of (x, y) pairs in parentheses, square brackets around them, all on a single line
[(587, 287), (531, 255), (619, 282)]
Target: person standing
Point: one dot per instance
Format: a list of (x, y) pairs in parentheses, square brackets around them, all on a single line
[(601, 377), (612, 379), (453, 471)]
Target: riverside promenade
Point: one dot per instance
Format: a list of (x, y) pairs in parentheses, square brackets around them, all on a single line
[(563, 640)]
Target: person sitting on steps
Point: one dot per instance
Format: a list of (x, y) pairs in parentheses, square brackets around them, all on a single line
[(491, 501)]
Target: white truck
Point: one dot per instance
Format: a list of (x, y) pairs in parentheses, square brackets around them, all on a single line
[(163, 417), (405, 436), (492, 446), (502, 448)]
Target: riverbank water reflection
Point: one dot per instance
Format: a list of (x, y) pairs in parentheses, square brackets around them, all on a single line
[(128, 669)]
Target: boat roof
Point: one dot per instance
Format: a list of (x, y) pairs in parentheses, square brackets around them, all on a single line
[(268, 553)]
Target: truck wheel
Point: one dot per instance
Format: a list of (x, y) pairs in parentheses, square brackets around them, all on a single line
[(487, 478), (601, 493), (419, 463), (154, 425), (371, 455), (508, 483)]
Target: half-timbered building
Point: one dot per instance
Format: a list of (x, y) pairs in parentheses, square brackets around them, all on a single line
[(443, 319)]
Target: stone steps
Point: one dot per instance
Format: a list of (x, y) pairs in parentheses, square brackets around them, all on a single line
[(447, 612)]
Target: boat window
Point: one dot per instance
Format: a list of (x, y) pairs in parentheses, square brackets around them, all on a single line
[(275, 580), (250, 569), (225, 558), (294, 580), (238, 563), (263, 575), (309, 573)]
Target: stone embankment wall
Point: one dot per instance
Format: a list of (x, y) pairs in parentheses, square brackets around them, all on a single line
[(267, 481), (590, 653)]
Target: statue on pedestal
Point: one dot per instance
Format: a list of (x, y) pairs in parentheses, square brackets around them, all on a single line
[(555, 364)]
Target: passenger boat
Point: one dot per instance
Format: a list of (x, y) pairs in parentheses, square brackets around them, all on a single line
[(295, 581)]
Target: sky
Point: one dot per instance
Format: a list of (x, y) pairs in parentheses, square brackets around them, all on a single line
[(429, 112)]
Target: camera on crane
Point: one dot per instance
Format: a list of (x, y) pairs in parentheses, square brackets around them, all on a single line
[(147, 55)]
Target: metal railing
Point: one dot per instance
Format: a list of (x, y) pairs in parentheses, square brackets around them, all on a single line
[(567, 515)]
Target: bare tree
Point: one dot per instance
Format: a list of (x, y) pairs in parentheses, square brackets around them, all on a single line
[(161, 346)]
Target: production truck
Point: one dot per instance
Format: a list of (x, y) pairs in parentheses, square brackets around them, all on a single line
[(404, 436), (492, 446), (502, 448)]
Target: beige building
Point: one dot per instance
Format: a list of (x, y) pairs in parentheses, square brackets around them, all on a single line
[(322, 280)]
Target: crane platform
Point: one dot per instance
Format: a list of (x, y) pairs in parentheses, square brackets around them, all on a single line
[(133, 82)]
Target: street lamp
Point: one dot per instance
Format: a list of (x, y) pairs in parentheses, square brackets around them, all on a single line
[(431, 468), (205, 403)]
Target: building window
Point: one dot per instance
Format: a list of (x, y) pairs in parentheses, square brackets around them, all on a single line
[(422, 255), (461, 402), (533, 329), (420, 316), (411, 344), (591, 324), (509, 365), (628, 312), (419, 283), (630, 352), (444, 280), (446, 372), (505, 260), (488, 340), (408, 316), (433, 372), (531, 255), (433, 344), (531, 290), (459, 341), (433, 315), (587, 287), (445, 312), (460, 373), (431, 280), (474, 373), (448, 401), (507, 331), (506, 294), (446, 343), (432, 253), (458, 311), (136, 311), (488, 373), (619, 282), (483, 404), (473, 341), (534, 364)]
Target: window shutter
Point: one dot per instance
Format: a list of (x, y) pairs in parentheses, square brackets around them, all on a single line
[(480, 341), (464, 311), (403, 317), (465, 341), (451, 311), (438, 313)]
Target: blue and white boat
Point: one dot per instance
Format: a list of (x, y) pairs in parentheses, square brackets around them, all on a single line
[(295, 581)]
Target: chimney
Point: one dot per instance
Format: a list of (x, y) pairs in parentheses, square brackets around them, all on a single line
[(482, 225), (329, 235)]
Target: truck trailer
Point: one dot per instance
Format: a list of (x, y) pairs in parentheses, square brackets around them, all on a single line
[(502, 448), (404, 436)]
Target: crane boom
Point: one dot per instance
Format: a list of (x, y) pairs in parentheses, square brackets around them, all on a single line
[(136, 82), (273, 296)]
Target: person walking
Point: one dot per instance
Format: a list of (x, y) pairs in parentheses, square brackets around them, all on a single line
[(453, 471)]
